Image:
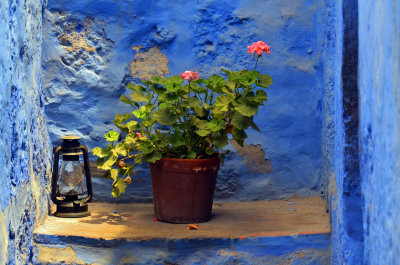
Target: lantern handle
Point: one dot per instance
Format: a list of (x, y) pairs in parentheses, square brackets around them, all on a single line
[(87, 173), (54, 177)]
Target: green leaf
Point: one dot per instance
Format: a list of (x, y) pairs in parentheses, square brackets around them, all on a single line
[(265, 81), (119, 118), (177, 140), (220, 140), (254, 126), (201, 124), (132, 125), (216, 125), (248, 78), (203, 133), (152, 157), (136, 87), (146, 147), (107, 163), (118, 187), (161, 140), (244, 107), (217, 80), (168, 97), (191, 155), (125, 99), (158, 80), (173, 83), (100, 152), (113, 174), (164, 117), (139, 96), (222, 102), (241, 122), (190, 102), (112, 136), (130, 139), (261, 96), (239, 136), (120, 149), (142, 113)]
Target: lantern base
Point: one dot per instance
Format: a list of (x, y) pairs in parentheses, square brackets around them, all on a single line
[(72, 210)]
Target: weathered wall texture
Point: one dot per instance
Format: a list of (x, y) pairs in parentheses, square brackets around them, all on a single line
[(379, 82), (24, 141), (93, 48), (344, 185)]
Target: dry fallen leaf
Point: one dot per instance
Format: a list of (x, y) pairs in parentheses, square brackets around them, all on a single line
[(193, 227)]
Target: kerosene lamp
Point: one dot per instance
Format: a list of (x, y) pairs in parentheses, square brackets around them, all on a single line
[(71, 184)]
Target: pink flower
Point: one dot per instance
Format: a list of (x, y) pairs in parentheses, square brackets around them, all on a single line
[(139, 135), (259, 47), (189, 75)]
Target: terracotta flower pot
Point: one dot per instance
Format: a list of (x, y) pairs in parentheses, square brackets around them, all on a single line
[(183, 189)]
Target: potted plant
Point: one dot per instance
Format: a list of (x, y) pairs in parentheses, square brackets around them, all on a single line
[(178, 126)]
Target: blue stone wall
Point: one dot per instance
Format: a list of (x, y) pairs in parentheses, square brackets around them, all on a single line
[(24, 140), (91, 49), (379, 83), (344, 186)]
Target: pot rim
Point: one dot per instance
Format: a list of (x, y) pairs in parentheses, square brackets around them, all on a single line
[(190, 160)]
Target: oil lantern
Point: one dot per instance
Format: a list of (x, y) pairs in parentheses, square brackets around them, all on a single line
[(71, 184)]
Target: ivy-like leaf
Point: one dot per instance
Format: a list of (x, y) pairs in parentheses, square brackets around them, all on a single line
[(119, 118), (132, 125), (222, 102), (118, 187), (146, 147), (220, 140), (173, 83), (164, 117), (216, 125), (177, 140), (139, 96), (152, 157), (125, 99), (113, 174), (120, 149), (241, 122), (203, 133), (264, 81), (100, 152), (106, 163), (136, 87), (112, 136), (246, 108), (239, 136), (191, 155), (201, 124)]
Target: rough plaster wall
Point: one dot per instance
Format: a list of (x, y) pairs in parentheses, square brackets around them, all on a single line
[(345, 190), (379, 32), (24, 141), (90, 49)]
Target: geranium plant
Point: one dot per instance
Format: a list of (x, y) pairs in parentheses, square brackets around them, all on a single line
[(182, 117)]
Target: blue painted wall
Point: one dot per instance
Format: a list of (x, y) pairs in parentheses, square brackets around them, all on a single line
[(24, 140), (88, 53), (379, 83), (344, 186)]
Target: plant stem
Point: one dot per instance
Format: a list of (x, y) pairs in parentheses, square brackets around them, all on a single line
[(256, 62)]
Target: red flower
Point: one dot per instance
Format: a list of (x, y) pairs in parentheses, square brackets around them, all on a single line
[(189, 75), (259, 47), (139, 135)]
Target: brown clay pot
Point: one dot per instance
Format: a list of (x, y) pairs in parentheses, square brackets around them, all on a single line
[(183, 189)]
